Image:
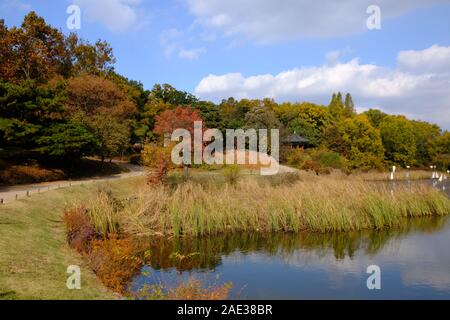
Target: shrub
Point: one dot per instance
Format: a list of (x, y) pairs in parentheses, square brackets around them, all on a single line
[(297, 157), (80, 231), (329, 159), (231, 173), (19, 174), (311, 165), (116, 261), (159, 159)]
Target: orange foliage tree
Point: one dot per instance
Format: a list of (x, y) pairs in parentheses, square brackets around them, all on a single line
[(181, 117), (166, 123)]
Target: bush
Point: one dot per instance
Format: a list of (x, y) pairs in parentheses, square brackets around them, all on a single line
[(311, 165), (159, 159), (116, 261), (20, 174), (80, 231), (329, 159), (297, 158), (231, 173)]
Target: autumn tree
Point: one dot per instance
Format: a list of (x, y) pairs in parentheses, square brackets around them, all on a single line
[(113, 135), (172, 96), (7, 69), (34, 51), (375, 117), (37, 51), (151, 109), (443, 148), (306, 119), (104, 109), (210, 113), (399, 141), (167, 122), (427, 137), (89, 59), (179, 118), (444, 143), (233, 112), (361, 143), (261, 117)]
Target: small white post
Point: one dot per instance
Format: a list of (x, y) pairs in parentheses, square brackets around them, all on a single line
[(392, 172)]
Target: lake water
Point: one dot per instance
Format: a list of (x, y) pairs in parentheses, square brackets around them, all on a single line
[(414, 262)]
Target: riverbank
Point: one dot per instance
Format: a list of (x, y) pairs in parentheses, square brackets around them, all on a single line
[(34, 254)]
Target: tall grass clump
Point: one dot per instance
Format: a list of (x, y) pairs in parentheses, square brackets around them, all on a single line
[(231, 173), (102, 211), (319, 204)]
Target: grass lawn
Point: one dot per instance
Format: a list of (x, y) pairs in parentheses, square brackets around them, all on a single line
[(34, 254)]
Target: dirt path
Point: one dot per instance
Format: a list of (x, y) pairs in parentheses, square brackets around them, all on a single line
[(11, 193)]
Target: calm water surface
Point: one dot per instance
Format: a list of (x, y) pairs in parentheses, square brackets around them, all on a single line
[(414, 262)]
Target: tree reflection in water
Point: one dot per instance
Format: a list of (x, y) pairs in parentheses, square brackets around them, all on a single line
[(205, 253)]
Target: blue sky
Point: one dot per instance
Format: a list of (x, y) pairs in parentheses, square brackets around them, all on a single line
[(292, 50)]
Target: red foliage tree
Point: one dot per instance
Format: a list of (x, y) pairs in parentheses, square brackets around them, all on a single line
[(181, 117), (166, 123)]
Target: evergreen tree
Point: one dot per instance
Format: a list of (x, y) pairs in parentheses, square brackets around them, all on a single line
[(349, 107), (336, 106)]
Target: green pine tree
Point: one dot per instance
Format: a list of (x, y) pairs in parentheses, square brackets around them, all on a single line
[(336, 106), (349, 107)]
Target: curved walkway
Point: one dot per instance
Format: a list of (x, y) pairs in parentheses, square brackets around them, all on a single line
[(11, 193)]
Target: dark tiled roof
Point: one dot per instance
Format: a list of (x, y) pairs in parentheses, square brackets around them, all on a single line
[(295, 138)]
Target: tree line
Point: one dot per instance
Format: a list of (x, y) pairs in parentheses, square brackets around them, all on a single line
[(60, 97)]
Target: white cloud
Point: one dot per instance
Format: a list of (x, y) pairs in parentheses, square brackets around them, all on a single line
[(173, 41), (169, 40), (116, 15), (434, 59), (191, 54), (333, 57), (423, 95), (272, 20)]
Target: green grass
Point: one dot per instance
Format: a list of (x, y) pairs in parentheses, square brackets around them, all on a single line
[(34, 253)]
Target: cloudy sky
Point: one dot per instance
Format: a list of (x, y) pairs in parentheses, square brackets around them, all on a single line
[(290, 50)]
